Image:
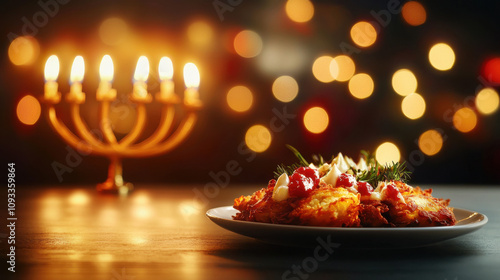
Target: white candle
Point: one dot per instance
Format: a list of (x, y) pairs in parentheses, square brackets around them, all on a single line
[(51, 73), (166, 73), (76, 78), (106, 72), (192, 81), (141, 74)]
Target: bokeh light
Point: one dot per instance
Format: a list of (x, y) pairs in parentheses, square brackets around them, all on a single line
[(285, 88), (113, 31), (316, 120), (491, 70), (387, 153), (404, 82), (79, 198), (430, 142), (200, 33), (23, 50), (239, 98), (361, 86), (487, 101), (464, 119), (442, 57), (413, 106), (363, 34), (414, 13), (28, 110), (258, 138), (321, 69), (342, 68), (299, 10), (248, 44)]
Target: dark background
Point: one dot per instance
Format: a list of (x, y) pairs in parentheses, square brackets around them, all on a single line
[(472, 29)]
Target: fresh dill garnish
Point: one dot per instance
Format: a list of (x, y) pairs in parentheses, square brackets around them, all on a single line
[(291, 168)]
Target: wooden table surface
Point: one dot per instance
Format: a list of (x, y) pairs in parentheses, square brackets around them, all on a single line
[(161, 232)]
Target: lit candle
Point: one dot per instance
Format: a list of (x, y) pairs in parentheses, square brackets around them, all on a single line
[(106, 71), (192, 81), (141, 74), (76, 78), (166, 72), (51, 73)]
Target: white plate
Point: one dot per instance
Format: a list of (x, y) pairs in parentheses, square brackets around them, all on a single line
[(292, 235)]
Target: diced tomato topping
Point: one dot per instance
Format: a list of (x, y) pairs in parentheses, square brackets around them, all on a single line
[(271, 183), (346, 180), (392, 191), (364, 188), (303, 181)]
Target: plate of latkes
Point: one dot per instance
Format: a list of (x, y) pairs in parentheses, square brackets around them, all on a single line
[(348, 203)]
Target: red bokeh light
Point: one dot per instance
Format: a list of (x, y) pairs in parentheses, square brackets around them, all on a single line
[(491, 70)]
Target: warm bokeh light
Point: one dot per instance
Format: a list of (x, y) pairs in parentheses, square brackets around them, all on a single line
[(442, 57), (77, 70), (299, 10), (200, 33), (430, 142), (165, 69), (52, 68), (361, 86), (316, 120), (387, 153), (142, 69), (321, 69), (258, 138), (363, 34), (191, 75), (285, 88), (342, 68), (28, 110), (113, 31), (491, 70), (106, 69), (239, 98), (414, 13), (248, 44), (487, 101), (404, 82), (23, 50), (413, 106), (465, 119), (122, 117), (79, 198)]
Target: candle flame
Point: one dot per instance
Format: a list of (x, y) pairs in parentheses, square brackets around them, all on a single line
[(142, 70), (191, 76), (52, 68), (166, 69), (77, 70), (106, 70)]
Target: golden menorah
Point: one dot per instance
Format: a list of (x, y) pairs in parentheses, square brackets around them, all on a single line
[(162, 140)]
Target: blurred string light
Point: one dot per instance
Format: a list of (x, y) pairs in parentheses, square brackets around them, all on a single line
[(441, 56), (414, 13), (487, 101), (321, 68), (361, 86), (299, 10), (363, 34), (465, 120), (430, 142), (387, 153), (248, 44), (413, 106), (113, 31), (283, 54), (285, 88), (316, 120), (342, 68), (491, 70), (200, 33), (239, 98), (28, 110), (23, 50), (258, 138), (404, 82)]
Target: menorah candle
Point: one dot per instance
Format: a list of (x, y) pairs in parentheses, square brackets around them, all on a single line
[(141, 74), (51, 73), (106, 71), (166, 73), (192, 81), (76, 78)]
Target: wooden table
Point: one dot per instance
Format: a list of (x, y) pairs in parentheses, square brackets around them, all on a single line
[(161, 232)]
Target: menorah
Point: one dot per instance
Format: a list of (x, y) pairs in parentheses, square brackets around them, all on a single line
[(162, 140)]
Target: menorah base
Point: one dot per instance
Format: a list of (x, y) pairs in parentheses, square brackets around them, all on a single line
[(115, 184)]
